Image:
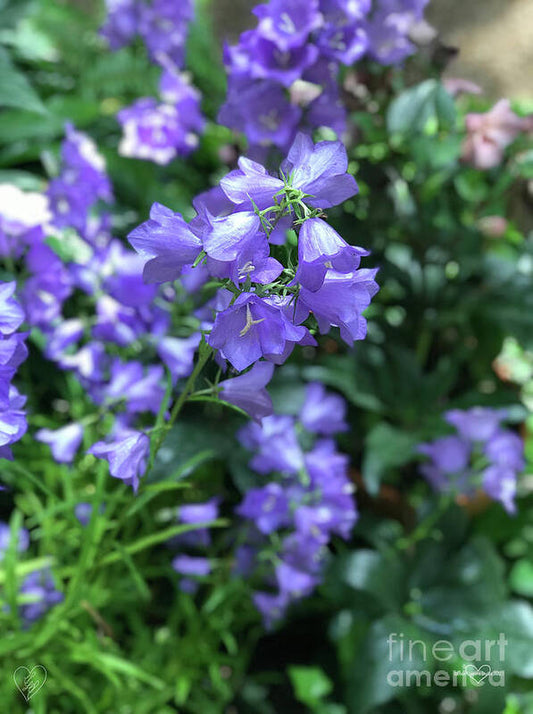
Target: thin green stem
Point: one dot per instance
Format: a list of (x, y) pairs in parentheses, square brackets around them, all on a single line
[(204, 353)]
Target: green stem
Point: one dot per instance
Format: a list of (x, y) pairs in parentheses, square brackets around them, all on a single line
[(204, 353)]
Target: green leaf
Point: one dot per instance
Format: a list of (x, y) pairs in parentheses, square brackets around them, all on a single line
[(15, 90), (521, 577), (380, 575), (310, 684), (386, 447), (380, 661), (428, 105)]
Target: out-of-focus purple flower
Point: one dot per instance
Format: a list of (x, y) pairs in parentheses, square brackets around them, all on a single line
[(64, 442), (13, 424), (121, 23), (276, 444), (461, 461), (178, 354), (389, 27), (262, 111), (288, 24), (140, 389), (22, 539), (22, 214), (153, 131), (168, 243), (323, 412), (40, 587), (47, 288), (345, 44), (81, 184), (271, 606), (476, 424), (294, 582), (191, 565), (267, 507), (83, 512), (163, 26), (126, 455), (489, 134), (248, 392), (251, 329), (261, 58), (499, 483), (11, 314), (506, 448)]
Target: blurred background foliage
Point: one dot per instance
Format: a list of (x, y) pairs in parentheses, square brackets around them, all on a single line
[(451, 327)]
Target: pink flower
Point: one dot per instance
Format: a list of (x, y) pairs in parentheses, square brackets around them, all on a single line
[(489, 134)]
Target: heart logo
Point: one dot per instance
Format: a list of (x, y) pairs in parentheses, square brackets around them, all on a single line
[(477, 674), (29, 681)]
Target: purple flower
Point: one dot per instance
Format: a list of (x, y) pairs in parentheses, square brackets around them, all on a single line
[(190, 565), (178, 354), (248, 392), (64, 442), (340, 302), (22, 539), (250, 329), (11, 314), (81, 184), (167, 242), (267, 507), (261, 110), (271, 606), (320, 171), (499, 482), (476, 424), (251, 181), (276, 444), (126, 455), (261, 58), (294, 582), (40, 587), (288, 24), (121, 24), (227, 235), (506, 449), (320, 248), (323, 412), (154, 131), (140, 388), (345, 44), (163, 26), (13, 424), (388, 29)]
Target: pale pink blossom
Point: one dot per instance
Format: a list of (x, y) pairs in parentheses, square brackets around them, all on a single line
[(489, 134)]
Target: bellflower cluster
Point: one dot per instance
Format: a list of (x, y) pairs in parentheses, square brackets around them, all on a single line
[(115, 344), (158, 129), (161, 130), (283, 74), (81, 184), (161, 24), (13, 352), (482, 454), (265, 242), (307, 499)]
